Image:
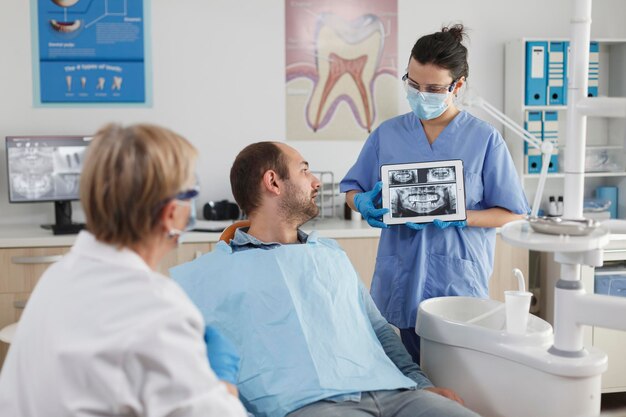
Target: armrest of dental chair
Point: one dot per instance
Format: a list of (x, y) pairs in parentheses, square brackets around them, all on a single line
[(229, 232)]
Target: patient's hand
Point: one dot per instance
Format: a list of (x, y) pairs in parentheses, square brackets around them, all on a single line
[(445, 392), (232, 389)]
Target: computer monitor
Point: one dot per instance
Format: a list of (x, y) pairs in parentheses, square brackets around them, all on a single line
[(47, 169)]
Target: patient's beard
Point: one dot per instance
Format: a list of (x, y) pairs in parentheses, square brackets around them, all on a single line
[(297, 206)]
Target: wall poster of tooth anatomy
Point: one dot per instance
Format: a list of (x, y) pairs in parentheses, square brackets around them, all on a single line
[(341, 67), (422, 192), (89, 51)]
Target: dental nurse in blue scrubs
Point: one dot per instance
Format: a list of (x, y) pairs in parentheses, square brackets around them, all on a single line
[(416, 262)]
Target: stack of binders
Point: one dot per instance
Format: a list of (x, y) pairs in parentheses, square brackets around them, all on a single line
[(594, 69), (547, 72), (546, 80), (544, 125), (557, 77)]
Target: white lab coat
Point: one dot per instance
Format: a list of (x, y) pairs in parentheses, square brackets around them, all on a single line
[(104, 335)]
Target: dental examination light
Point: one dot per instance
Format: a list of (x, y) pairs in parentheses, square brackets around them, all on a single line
[(546, 147)]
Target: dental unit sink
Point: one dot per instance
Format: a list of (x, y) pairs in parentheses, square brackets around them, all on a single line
[(500, 374)]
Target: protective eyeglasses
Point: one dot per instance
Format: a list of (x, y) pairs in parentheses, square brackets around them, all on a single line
[(181, 197), (428, 88), (188, 194)]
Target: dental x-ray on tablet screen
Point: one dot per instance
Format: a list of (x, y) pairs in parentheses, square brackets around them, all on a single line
[(422, 192)]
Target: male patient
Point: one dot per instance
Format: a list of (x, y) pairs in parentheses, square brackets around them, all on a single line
[(311, 340)]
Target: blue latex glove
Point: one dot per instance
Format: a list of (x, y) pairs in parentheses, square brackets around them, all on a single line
[(364, 203), (223, 356), (442, 225), (416, 226)]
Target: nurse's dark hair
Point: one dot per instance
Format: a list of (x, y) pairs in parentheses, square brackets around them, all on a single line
[(248, 169), (444, 49)]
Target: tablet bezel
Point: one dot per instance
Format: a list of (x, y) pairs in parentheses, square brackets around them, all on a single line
[(458, 185)]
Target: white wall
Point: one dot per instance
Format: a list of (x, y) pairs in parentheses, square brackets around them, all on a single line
[(218, 75)]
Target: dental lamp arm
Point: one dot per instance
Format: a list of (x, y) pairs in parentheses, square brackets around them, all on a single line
[(545, 147)]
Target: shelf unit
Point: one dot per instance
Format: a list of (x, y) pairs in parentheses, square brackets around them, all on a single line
[(600, 131)]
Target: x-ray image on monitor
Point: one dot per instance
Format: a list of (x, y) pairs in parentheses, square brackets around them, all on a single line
[(45, 168), (68, 162), (421, 192), (68, 159), (428, 200), (30, 172)]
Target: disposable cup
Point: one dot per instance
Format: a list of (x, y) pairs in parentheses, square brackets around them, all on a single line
[(356, 217), (517, 305)]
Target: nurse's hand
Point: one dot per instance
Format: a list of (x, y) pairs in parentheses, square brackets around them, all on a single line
[(448, 393), (364, 203), (443, 225), (222, 354)]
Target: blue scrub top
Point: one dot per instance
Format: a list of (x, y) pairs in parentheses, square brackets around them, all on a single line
[(412, 266)]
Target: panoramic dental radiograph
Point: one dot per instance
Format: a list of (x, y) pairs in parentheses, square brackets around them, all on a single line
[(426, 200)]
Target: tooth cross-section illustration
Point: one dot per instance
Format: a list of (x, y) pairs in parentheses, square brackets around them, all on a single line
[(347, 57)]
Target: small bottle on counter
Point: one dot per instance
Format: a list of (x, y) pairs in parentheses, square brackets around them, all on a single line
[(559, 206), (552, 210)]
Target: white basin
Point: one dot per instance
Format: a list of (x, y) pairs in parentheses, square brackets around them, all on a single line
[(500, 374)]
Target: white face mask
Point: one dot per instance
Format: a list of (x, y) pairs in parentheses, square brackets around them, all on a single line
[(427, 106)]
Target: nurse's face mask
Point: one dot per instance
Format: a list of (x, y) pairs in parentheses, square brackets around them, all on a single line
[(427, 101)]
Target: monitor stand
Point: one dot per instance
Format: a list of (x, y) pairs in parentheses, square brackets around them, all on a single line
[(63, 220)]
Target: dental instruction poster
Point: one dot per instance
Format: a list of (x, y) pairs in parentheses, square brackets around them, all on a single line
[(341, 67), (91, 51)]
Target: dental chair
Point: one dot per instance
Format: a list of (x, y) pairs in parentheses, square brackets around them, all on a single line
[(228, 233)]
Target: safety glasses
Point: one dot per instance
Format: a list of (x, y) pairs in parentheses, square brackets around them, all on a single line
[(188, 194), (427, 88), (183, 198)]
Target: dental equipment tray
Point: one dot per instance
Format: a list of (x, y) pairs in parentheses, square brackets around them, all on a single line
[(559, 226), (421, 192)]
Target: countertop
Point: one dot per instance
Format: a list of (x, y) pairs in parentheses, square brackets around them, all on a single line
[(33, 236)]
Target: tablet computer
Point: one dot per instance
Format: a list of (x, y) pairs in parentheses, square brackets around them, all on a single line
[(422, 192)]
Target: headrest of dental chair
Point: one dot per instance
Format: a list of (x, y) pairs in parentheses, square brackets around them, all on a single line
[(228, 233)]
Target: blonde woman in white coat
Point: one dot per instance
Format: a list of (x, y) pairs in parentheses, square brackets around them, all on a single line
[(103, 334)]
